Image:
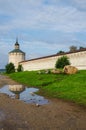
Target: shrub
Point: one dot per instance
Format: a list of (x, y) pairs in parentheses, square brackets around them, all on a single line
[(10, 68), (62, 61), (20, 68)]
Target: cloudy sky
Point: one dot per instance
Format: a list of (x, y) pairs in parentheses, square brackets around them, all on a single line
[(43, 27)]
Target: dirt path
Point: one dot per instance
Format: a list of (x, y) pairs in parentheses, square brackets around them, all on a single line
[(58, 115)]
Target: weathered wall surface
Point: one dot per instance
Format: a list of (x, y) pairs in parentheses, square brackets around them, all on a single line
[(15, 58), (77, 59)]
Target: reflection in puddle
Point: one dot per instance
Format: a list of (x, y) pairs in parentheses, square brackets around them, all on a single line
[(16, 89), (23, 93)]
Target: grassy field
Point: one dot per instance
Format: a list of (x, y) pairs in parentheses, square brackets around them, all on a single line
[(68, 87)]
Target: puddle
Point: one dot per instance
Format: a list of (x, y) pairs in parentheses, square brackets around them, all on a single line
[(23, 93)]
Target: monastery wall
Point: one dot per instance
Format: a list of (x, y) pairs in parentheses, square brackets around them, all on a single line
[(77, 59)]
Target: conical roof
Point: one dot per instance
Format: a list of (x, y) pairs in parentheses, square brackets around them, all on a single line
[(16, 50)]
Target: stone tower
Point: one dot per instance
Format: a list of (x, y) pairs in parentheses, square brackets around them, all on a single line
[(16, 55)]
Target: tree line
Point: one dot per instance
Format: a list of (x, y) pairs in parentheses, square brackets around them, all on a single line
[(72, 49)]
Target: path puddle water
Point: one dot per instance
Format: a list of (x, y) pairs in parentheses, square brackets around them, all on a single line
[(23, 93)]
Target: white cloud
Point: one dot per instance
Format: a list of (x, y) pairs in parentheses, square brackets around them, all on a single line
[(40, 48), (51, 15), (80, 4), (36, 15)]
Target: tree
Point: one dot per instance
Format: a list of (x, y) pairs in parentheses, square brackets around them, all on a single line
[(10, 68), (62, 61), (73, 48), (60, 52), (20, 68), (81, 48)]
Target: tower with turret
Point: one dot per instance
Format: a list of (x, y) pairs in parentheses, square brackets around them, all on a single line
[(16, 55)]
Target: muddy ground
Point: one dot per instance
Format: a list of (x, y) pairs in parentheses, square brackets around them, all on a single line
[(57, 115)]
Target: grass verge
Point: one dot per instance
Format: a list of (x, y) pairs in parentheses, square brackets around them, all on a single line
[(68, 87)]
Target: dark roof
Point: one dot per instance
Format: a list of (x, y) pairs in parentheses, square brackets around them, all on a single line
[(17, 51), (17, 43), (55, 55)]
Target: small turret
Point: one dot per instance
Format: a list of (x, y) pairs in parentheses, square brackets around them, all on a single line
[(16, 44)]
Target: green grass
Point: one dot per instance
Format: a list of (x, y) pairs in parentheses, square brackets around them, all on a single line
[(68, 87)]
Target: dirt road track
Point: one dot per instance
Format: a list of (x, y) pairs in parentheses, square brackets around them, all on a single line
[(57, 115)]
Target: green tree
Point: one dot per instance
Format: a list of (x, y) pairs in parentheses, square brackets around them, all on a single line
[(60, 52), (81, 48), (20, 68), (62, 61), (73, 48), (10, 68)]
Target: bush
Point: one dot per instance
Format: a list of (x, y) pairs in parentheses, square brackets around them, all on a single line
[(10, 68), (62, 61), (20, 68)]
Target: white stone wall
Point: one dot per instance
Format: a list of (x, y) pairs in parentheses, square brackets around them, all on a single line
[(15, 58), (77, 59)]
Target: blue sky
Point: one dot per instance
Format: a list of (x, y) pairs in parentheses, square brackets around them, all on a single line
[(43, 27)]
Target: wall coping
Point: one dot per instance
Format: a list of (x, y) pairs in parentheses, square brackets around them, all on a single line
[(58, 54)]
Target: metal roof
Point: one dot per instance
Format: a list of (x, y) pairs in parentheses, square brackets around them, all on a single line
[(16, 51)]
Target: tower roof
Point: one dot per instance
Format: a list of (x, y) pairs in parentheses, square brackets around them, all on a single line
[(17, 42), (16, 50)]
